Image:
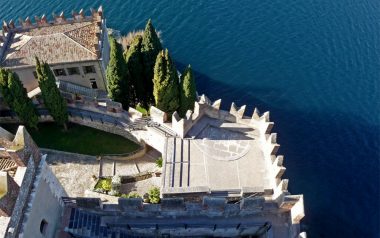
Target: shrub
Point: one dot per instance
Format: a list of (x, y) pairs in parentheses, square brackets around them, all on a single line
[(159, 162), (141, 109), (154, 195), (134, 195), (131, 195), (103, 185)]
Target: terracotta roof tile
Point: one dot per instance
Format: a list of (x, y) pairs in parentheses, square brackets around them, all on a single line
[(54, 44)]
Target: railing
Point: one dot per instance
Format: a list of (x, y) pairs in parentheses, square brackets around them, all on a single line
[(77, 89)]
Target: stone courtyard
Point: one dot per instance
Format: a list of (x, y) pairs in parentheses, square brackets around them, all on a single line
[(78, 173)]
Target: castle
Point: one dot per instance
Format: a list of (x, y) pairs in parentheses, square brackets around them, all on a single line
[(76, 48), (221, 175)]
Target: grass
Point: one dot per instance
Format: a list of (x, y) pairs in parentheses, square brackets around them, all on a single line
[(78, 139)]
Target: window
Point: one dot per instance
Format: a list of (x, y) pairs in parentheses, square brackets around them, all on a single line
[(35, 74), (73, 70), (89, 69), (43, 226), (59, 72), (93, 84)]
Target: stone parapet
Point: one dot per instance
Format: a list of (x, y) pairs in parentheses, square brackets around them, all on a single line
[(157, 115), (96, 15), (207, 207)]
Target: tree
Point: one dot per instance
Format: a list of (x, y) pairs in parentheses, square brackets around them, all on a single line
[(134, 61), (166, 86), (151, 46), (117, 75), (16, 97), (188, 92), (4, 89), (53, 99)]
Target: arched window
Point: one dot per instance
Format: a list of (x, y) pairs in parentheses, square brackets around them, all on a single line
[(43, 226)]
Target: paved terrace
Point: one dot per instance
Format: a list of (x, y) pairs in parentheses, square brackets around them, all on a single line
[(220, 155)]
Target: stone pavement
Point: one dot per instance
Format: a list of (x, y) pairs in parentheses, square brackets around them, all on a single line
[(76, 172), (213, 150)]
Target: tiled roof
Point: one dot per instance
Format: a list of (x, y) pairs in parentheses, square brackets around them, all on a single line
[(54, 44)]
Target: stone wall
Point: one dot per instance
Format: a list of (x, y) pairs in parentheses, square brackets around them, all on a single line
[(44, 203), (22, 199), (104, 126), (55, 153), (259, 122), (11, 188), (205, 107), (157, 115), (207, 207)]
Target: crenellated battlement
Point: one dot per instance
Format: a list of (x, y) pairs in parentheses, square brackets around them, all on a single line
[(206, 207), (72, 38), (212, 109), (75, 17)]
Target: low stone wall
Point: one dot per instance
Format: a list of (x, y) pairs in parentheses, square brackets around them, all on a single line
[(105, 198), (129, 156), (104, 126), (69, 154)]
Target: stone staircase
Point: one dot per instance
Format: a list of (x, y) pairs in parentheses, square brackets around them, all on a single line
[(177, 160)]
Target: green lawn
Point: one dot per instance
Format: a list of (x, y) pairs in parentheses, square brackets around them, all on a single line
[(78, 139)]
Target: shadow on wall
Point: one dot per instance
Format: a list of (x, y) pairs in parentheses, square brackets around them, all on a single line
[(332, 158)]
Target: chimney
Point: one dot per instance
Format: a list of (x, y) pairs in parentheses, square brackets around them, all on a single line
[(9, 190)]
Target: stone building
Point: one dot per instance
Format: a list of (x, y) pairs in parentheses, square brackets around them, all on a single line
[(30, 194), (76, 49), (221, 177)]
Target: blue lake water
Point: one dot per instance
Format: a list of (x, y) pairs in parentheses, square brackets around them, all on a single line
[(314, 64)]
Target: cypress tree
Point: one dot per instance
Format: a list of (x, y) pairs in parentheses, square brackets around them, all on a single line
[(134, 61), (151, 46), (187, 91), (4, 89), (166, 86), (117, 75), (53, 99), (16, 97)]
